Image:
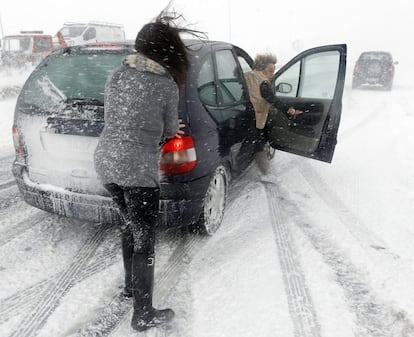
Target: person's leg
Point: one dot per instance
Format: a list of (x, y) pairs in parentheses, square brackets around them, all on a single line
[(127, 241), (143, 207), (261, 157)]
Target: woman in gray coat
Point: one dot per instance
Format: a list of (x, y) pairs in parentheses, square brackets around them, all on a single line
[(141, 102)]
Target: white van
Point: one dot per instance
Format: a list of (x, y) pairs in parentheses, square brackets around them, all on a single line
[(75, 33)]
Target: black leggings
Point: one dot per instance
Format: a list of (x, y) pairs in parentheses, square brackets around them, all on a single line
[(139, 208)]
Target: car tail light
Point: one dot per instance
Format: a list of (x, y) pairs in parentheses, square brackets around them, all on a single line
[(18, 142), (178, 155)]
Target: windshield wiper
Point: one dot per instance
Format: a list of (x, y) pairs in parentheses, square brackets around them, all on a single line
[(83, 101)]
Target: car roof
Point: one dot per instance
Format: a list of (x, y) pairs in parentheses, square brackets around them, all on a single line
[(376, 52), (193, 44)]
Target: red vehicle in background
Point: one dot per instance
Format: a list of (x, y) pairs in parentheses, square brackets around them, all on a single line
[(28, 47)]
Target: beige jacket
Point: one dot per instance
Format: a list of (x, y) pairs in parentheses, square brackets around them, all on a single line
[(261, 107)]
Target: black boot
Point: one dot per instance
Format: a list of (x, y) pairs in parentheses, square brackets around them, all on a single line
[(127, 242), (145, 316)]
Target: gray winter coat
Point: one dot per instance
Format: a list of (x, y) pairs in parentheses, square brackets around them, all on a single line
[(141, 102)]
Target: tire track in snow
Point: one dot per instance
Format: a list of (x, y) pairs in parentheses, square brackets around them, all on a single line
[(27, 298), (115, 317), (35, 320), (6, 184), (374, 317), (304, 319), (369, 118), (9, 197), (355, 225), (22, 227)]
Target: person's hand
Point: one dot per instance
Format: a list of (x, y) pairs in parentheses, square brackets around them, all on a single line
[(294, 112), (180, 126)]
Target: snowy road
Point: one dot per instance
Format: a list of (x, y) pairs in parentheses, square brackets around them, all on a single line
[(311, 250)]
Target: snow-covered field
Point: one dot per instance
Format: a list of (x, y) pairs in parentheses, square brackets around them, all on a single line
[(312, 249)]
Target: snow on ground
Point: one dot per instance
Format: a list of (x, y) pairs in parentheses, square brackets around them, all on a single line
[(349, 226), (10, 82)]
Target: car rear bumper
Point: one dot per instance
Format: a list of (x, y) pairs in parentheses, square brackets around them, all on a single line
[(180, 204), (383, 79)]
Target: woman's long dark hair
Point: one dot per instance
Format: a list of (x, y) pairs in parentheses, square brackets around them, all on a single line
[(160, 41)]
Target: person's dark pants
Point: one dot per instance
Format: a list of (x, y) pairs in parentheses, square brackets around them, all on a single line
[(139, 210), (260, 139), (139, 207)]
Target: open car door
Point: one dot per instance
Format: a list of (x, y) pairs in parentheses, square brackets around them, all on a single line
[(313, 82)]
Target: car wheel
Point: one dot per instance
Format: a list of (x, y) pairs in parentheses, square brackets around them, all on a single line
[(214, 202)]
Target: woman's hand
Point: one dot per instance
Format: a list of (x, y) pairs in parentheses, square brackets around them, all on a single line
[(180, 126), (294, 112)]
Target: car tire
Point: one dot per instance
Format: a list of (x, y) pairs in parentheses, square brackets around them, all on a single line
[(214, 202)]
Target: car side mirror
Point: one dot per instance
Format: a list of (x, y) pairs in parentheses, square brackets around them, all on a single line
[(284, 88), (396, 62)]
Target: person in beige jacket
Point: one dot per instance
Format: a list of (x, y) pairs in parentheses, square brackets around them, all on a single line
[(263, 70)]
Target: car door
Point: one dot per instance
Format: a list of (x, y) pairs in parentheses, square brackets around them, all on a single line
[(222, 91), (313, 82)]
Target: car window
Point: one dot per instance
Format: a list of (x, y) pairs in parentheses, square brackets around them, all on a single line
[(317, 74), (17, 44), (69, 77), (230, 85), (205, 82), (42, 44), (72, 31), (243, 64), (290, 76), (90, 34)]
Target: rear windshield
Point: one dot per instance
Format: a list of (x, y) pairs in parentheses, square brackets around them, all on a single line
[(384, 57), (63, 79)]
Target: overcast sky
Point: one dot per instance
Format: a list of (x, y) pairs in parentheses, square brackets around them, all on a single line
[(264, 25)]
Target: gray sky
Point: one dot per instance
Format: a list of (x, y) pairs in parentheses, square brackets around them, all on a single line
[(257, 26)]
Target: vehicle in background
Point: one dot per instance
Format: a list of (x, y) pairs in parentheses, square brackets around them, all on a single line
[(59, 116), (77, 33), (374, 68), (28, 47)]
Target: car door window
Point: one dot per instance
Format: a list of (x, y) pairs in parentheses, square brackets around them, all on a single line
[(42, 44), (90, 34), (319, 75), (243, 64), (230, 85), (290, 76), (205, 82)]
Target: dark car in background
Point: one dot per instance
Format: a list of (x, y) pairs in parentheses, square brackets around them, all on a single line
[(374, 68), (59, 116)]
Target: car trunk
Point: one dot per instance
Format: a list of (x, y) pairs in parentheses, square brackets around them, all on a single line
[(60, 114), (59, 155)]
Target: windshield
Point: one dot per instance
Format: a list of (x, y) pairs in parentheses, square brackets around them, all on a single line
[(17, 43), (72, 31), (69, 78), (376, 56)]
